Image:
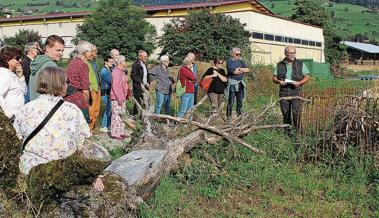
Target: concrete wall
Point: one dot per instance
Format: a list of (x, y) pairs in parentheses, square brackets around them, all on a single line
[(64, 28)]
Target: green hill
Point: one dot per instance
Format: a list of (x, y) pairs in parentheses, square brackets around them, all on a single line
[(355, 18)]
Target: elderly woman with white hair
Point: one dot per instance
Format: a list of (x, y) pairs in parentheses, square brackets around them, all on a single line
[(119, 94), (78, 78), (164, 80)]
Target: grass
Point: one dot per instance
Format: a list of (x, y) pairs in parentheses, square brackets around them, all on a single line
[(22, 4), (227, 180), (353, 19)]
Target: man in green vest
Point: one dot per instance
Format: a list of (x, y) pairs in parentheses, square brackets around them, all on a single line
[(291, 74)]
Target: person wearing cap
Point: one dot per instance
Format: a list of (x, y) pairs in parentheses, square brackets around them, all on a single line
[(164, 80)]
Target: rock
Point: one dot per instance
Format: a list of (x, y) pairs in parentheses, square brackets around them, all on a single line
[(92, 150), (48, 181), (107, 142)]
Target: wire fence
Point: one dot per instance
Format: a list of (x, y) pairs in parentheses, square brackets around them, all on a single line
[(335, 123)]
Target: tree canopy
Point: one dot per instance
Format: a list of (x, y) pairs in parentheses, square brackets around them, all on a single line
[(206, 34), (118, 24), (21, 38)]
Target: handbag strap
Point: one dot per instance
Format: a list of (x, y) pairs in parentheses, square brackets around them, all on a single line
[(43, 123)]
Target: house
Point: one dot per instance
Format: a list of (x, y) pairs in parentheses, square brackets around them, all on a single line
[(269, 32)]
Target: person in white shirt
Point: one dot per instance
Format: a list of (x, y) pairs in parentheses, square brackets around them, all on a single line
[(12, 81)]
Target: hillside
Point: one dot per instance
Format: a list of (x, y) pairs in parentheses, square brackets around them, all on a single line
[(355, 18)]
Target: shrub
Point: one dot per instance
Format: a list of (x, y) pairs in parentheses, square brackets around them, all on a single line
[(118, 24), (206, 34)]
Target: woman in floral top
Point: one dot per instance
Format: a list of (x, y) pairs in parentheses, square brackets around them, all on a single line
[(63, 134)]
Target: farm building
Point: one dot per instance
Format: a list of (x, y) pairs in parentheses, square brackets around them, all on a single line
[(359, 52), (269, 33)]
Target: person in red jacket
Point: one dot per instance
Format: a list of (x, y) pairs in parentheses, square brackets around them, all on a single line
[(187, 79)]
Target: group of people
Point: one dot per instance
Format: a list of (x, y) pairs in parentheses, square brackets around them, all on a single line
[(54, 110)]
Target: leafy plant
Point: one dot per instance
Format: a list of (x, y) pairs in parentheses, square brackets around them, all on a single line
[(207, 34), (22, 38), (118, 24)]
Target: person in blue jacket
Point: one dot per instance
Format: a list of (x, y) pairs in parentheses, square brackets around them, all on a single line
[(106, 78)]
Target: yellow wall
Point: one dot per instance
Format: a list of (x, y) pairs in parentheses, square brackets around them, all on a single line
[(265, 53), (246, 6), (41, 21)]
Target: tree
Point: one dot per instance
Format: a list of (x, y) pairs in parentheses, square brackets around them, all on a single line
[(21, 38), (313, 12), (206, 34), (118, 24)]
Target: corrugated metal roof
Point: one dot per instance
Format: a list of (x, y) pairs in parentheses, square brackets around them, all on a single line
[(206, 4), (369, 48)]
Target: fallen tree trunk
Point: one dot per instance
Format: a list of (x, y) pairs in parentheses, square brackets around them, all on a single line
[(132, 178)]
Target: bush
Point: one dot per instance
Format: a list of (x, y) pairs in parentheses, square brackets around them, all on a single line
[(118, 24), (346, 9), (21, 38), (206, 34)]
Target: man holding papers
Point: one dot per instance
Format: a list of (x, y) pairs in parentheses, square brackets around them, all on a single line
[(290, 74)]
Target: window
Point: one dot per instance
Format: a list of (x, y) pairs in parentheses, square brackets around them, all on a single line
[(297, 41), (279, 39), (304, 42), (312, 43), (290, 40), (318, 44), (68, 43), (269, 37), (257, 35)]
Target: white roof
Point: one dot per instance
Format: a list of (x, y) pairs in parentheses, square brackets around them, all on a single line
[(369, 48)]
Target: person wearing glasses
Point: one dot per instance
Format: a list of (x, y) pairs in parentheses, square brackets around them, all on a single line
[(219, 81), (164, 80), (187, 79), (236, 69), (12, 81), (291, 74)]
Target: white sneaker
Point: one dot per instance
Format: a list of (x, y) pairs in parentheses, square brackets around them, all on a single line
[(104, 129)]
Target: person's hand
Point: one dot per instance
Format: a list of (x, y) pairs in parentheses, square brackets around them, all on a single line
[(98, 184), (282, 83), (19, 71), (296, 84), (215, 74)]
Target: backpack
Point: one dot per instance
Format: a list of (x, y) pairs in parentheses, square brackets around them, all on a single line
[(180, 90), (205, 83)]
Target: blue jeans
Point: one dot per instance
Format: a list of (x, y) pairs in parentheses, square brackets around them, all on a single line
[(27, 95), (167, 105), (162, 99), (106, 121), (233, 94), (186, 103)]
